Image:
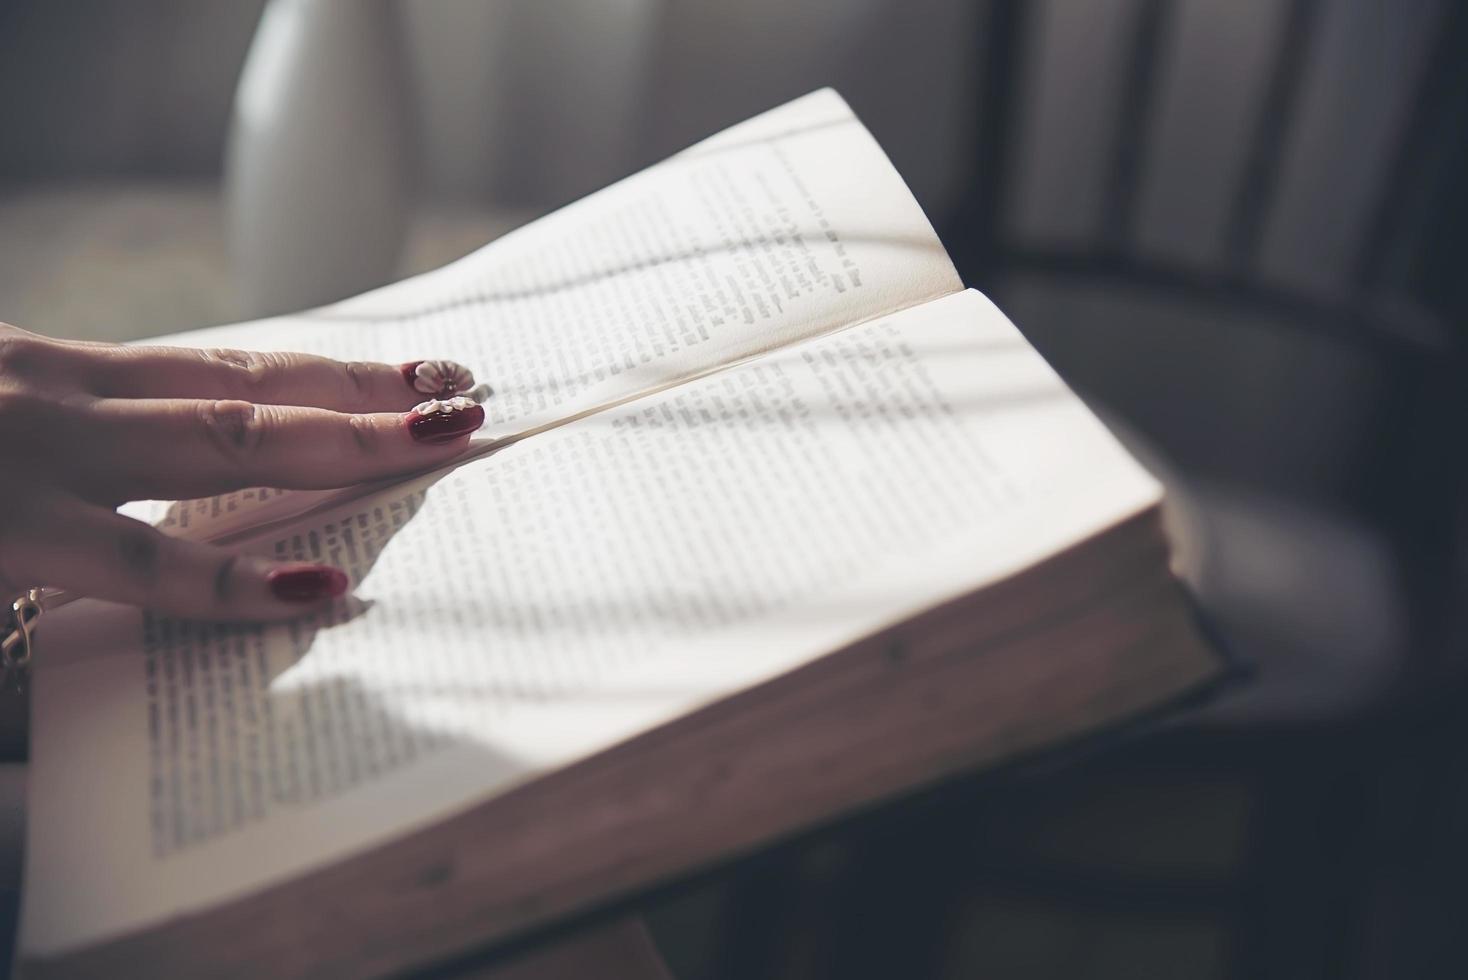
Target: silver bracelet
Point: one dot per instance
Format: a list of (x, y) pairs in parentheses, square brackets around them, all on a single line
[(18, 646)]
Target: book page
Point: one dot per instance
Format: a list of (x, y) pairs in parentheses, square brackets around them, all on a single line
[(540, 604), (783, 227)]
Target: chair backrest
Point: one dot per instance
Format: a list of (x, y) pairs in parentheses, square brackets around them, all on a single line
[(1241, 226), (1289, 143)]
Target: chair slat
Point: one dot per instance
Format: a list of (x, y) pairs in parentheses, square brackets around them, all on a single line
[(1076, 66), (1211, 85), (1364, 66)]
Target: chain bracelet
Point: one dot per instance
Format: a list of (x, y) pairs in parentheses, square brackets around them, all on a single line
[(17, 648)]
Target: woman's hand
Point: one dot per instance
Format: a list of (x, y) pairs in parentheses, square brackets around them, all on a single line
[(85, 427)]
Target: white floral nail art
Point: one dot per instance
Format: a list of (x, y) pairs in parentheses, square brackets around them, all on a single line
[(479, 392), (432, 377), (445, 405)]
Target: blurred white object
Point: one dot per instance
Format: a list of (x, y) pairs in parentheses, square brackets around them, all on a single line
[(522, 105), (318, 168)]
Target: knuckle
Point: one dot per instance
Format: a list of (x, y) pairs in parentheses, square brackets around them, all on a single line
[(235, 428), (245, 369), (140, 553), (359, 378), (21, 354), (364, 433)]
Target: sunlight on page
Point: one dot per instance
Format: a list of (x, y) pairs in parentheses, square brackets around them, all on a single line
[(787, 226), (784, 227), (553, 599)]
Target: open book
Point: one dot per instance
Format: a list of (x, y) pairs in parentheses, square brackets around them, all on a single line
[(770, 520)]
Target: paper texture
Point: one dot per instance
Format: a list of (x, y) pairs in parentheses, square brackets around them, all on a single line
[(784, 227), (549, 601), (763, 424)]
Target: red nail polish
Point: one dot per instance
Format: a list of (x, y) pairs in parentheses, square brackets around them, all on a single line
[(307, 583), (439, 422), (409, 372)]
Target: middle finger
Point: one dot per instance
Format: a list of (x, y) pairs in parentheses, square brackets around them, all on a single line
[(174, 449)]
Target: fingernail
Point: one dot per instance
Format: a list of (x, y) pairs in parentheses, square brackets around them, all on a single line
[(436, 422), (440, 378), (307, 583)]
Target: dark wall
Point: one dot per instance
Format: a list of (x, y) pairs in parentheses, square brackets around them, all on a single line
[(108, 87)]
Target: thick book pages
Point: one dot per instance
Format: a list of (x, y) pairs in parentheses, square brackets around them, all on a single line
[(787, 226), (770, 522)]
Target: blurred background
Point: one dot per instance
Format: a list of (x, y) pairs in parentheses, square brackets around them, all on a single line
[(116, 118), (1236, 226)]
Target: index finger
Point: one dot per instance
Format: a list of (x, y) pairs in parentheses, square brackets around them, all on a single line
[(270, 378)]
